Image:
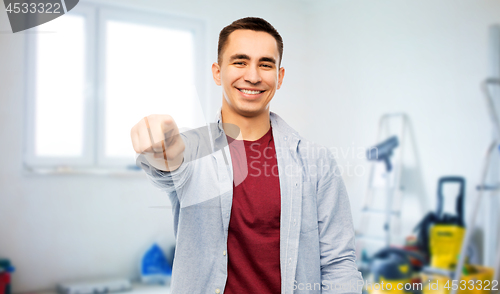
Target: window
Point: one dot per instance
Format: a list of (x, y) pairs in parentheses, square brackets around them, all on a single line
[(95, 72)]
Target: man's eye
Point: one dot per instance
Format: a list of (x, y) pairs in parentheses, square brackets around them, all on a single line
[(267, 65), (238, 63)]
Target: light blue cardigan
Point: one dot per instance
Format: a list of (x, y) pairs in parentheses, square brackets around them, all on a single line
[(317, 250)]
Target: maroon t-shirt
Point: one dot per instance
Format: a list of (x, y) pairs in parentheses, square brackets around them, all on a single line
[(253, 241)]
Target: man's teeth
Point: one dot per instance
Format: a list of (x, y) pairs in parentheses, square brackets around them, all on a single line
[(250, 91)]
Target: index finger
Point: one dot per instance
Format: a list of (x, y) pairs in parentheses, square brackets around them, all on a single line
[(155, 147)]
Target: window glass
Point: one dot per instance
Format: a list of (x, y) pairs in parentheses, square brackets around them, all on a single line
[(59, 87), (148, 70)]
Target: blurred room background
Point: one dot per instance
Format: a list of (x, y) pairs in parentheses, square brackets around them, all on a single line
[(72, 205)]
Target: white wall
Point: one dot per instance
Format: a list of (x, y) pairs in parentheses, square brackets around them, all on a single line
[(347, 63), (426, 58), (61, 227)]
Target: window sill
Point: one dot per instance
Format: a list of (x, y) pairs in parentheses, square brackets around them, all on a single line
[(97, 171)]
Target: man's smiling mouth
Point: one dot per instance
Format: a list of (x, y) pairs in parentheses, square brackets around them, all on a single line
[(251, 92)]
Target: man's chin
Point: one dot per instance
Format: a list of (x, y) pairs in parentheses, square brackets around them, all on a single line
[(250, 111), (246, 108)]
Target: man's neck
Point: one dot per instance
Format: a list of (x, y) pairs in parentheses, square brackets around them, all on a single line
[(251, 128)]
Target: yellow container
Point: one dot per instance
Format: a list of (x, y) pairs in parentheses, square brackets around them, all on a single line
[(445, 245), (387, 286), (479, 281)]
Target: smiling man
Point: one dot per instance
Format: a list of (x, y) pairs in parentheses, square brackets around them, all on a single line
[(249, 74), (264, 211)]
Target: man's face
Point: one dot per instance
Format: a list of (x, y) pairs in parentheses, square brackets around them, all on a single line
[(248, 73)]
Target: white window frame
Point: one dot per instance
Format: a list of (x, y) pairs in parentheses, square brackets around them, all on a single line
[(93, 160)]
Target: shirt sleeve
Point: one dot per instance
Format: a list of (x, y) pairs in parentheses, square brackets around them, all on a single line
[(173, 180), (336, 234), (165, 181)]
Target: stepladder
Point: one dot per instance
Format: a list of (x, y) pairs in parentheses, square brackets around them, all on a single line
[(381, 210), (489, 185)]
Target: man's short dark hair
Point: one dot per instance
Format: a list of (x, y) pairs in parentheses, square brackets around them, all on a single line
[(249, 23)]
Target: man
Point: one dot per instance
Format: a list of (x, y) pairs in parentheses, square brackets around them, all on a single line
[(257, 208)]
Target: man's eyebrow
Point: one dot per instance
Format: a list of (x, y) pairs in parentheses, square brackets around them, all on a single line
[(246, 57), (239, 56), (268, 59)]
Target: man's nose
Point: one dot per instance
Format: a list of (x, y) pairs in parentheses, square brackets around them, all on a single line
[(252, 75)]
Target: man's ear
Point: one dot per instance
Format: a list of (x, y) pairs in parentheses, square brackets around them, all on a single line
[(216, 73), (281, 75)]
